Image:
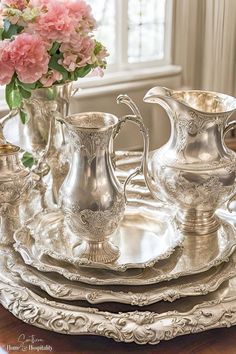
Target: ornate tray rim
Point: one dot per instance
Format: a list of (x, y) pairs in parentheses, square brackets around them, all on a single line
[(141, 327), (30, 259), (176, 242), (63, 290)]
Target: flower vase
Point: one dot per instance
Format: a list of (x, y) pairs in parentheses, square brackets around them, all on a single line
[(43, 136)]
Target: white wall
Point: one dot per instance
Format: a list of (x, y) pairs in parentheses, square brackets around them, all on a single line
[(154, 117)]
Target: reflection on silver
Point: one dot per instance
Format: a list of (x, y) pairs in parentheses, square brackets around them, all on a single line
[(60, 288), (43, 136), (196, 256), (194, 170), (142, 239), (161, 322), (15, 182), (91, 197)]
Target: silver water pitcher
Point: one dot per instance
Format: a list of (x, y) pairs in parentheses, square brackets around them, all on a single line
[(91, 197), (194, 171)]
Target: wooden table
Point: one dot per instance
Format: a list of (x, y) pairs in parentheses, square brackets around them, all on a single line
[(13, 331)]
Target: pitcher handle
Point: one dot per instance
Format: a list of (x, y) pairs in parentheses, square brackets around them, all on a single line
[(155, 192), (228, 127), (136, 120), (3, 121)]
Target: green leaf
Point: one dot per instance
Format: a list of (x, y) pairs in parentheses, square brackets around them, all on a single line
[(8, 91), (24, 93), (98, 47), (54, 48), (17, 98), (13, 97), (50, 94), (10, 30), (27, 87), (82, 72), (10, 94), (1, 33), (53, 64), (24, 117), (72, 76), (28, 160)]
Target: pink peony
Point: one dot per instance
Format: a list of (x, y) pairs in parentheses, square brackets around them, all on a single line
[(39, 3), (16, 4), (78, 54), (50, 78), (6, 67), (30, 57), (81, 14), (54, 22)]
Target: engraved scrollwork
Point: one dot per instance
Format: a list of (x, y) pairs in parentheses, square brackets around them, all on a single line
[(91, 143), (96, 224), (139, 327), (194, 193), (193, 124), (56, 287), (12, 190)]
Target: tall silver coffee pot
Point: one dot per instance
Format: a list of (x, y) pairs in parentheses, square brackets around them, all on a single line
[(91, 197), (194, 170)]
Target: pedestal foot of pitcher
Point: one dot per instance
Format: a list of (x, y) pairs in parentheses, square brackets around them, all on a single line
[(100, 252), (197, 222)]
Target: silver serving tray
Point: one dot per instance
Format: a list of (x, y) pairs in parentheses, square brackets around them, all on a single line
[(60, 288), (161, 322), (143, 239), (197, 255)]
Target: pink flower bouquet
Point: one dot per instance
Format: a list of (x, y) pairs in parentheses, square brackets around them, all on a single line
[(44, 43)]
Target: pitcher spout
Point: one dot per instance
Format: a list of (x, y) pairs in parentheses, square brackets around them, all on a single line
[(205, 102), (155, 94)]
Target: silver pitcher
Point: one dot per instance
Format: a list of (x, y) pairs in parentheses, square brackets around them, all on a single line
[(91, 197), (15, 181), (194, 170)]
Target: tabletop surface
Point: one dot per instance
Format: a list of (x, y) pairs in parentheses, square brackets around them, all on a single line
[(16, 336)]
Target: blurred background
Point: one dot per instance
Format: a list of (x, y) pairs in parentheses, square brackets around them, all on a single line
[(172, 43)]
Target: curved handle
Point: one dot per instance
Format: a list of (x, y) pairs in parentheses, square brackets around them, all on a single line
[(152, 186), (228, 127), (3, 121), (137, 120)]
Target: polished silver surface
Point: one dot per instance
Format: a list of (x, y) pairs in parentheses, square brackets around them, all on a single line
[(43, 136), (160, 322), (142, 239), (197, 255), (194, 170), (15, 182), (91, 197), (60, 288), (127, 162)]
